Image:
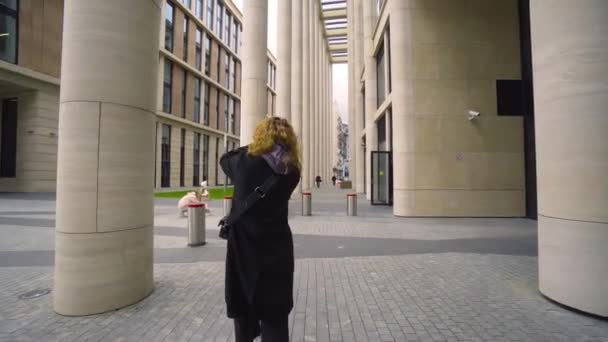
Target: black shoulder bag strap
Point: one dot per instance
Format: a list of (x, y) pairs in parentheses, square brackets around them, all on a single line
[(258, 193)]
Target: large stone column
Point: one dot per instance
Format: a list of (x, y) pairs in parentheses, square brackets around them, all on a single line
[(313, 92), (284, 48), (359, 63), (571, 97), (371, 97), (105, 171), (254, 103), (403, 117), (352, 141), (306, 173), (317, 95), (296, 78)]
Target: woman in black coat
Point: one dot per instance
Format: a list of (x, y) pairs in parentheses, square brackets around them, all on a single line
[(259, 260)]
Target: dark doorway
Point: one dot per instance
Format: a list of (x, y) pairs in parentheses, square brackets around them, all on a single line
[(165, 158), (382, 178), (8, 152), (528, 106)]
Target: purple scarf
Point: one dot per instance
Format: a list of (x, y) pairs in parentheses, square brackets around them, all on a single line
[(278, 159)]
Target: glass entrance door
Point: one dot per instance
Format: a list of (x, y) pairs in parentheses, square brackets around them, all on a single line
[(382, 178)]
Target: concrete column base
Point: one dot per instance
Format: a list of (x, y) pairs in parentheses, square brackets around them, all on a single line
[(573, 263), (102, 271)]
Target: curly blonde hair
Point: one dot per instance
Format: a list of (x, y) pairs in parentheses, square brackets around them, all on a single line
[(272, 131)]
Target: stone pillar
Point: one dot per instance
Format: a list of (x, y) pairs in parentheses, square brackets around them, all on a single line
[(352, 141), (105, 167), (254, 103), (359, 49), (306, 171), (296, 79), (371, 98), (317, 92), (312, 97), (571, 97), (284, 49), (403, 117)]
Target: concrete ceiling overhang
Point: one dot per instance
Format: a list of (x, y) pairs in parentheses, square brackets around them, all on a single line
[(335, 22)]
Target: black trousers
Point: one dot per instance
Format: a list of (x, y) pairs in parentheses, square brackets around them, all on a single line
[(247, 328)]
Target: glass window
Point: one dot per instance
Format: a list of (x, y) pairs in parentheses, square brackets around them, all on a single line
[(235, 35), (199, 9), (184, 91), (226, 112), (233, 74), (228, 24), (197, 100), (196, 159), (220, 16), (230, 118), (199, 46), (9, 23), (206, 105), (217, 110), (186, 30), (205, 157), (182, 159), (380, 72), (233, 120), (388, 61), (169, 20), (209, 17), (167, 85), (219, 64), (217, 159), (165, 164), (227, 63), (207, 55), (187, 3)]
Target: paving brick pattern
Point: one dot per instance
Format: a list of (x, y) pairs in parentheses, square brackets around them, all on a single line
[(421, 296)]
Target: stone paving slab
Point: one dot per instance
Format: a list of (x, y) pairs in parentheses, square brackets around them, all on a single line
[(369, 278), (449, 297)]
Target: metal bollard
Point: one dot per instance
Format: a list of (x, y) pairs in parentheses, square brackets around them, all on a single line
[(351, 205), (306, 203), (227, 205), (196, 225)]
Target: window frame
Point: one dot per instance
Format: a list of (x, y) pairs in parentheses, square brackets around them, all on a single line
[(14, 14), (196, 159), (165, 155), (196, 116), (170, 32), (198, 55), (168, 87), (206, 108), (186, 31)]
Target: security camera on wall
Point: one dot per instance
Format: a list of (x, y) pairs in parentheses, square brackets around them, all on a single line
[(473, 115)]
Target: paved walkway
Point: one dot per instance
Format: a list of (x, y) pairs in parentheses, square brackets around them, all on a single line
[(370, 278)]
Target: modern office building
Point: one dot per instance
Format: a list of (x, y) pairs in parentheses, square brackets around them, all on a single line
[(30, 60), (476, 109), (199, 89)]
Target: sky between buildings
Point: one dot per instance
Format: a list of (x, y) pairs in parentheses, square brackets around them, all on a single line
[(340, 71)]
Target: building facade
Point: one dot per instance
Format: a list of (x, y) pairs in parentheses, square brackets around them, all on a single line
[(479, 108), (199, 87), (416, 83), (30, 61), (199, 99)]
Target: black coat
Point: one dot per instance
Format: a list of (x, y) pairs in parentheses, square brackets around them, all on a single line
[(259, 258)]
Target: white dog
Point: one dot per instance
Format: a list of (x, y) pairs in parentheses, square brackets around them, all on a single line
[(182, 205)]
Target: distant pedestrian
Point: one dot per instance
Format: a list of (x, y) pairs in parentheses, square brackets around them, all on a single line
[(333, 180), (318, 181)]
